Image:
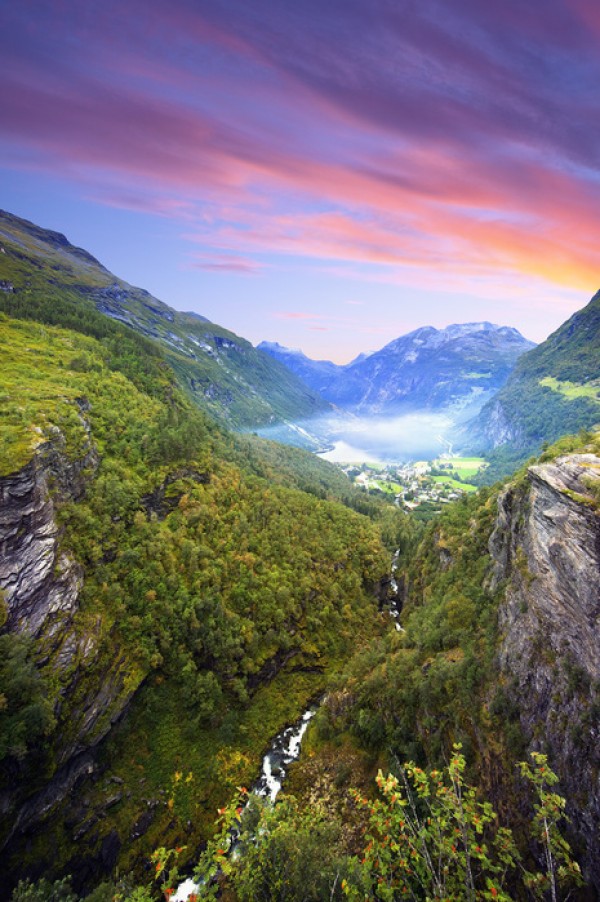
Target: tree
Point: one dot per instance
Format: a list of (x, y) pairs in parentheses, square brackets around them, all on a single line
[(429, 837)]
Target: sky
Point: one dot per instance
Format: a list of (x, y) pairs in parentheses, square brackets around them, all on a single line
[(329, 174)]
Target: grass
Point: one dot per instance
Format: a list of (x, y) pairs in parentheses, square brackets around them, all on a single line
[(455, 484), (38, 389), (392, 488), (465, 467), (573, 390), (41, 382)]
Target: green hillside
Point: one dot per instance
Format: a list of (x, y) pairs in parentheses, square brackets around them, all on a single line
[(207, 583), (44, 277), (553, 390)]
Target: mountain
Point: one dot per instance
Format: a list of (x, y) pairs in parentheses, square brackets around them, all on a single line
[(43, 276), (458, 367), (171, 596), (554, 388), (317, 374)]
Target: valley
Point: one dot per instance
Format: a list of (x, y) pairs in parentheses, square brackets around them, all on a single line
[(420, 487), (176, 592)]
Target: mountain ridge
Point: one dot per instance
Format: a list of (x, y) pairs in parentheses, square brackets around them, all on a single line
[(554, 388), (462, 364), (219, 370)]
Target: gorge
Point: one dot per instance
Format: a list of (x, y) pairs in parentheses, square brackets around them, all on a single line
[(175, 593)]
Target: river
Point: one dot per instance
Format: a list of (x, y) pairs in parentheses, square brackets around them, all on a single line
[(284, 749)]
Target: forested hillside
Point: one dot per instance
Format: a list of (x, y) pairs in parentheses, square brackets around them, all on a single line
[(553, 390), (167, 605), (44, 277)]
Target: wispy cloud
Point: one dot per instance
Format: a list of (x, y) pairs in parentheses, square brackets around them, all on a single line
[(284, 314), (438, 144), (229, 264)]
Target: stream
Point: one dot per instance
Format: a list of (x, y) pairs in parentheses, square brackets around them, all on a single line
[(395, 608), (284, 749)]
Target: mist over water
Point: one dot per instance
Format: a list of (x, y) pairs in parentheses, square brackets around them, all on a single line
[(386, 439), (348, 438)]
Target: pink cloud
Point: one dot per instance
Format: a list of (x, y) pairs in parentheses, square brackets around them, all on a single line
[(227, 263), (459, 155)]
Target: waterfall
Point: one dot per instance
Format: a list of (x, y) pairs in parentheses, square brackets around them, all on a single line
[(284, 749)]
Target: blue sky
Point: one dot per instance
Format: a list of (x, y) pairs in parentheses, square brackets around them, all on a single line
[(328, 176)]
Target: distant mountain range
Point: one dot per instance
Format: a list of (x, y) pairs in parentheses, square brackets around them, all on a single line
[(43, 276), (458, 367), (506, 392)]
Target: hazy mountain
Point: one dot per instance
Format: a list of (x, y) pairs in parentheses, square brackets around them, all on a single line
[(318, 374), (460, 366), (553, 390), (42, 275)]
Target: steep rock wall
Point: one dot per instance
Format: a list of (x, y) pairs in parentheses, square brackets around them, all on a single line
[(546, 549), (41, 583), (497, 428)]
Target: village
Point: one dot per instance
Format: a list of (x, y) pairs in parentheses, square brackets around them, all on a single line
[(422, 487)]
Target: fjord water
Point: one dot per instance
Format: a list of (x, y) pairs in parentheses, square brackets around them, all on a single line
[(390, 438)]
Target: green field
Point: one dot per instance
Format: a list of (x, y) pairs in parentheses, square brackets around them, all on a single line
[(391, 487), (466, 467), (573, 390), (455, 484)]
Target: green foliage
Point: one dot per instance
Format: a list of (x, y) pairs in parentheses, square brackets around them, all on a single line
[(44, 891), (429, 837), (302, 470), (561, 870), (267, 852), (25, 708), (418, 691)]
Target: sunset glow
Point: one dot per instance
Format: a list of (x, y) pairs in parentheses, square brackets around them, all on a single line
[(328, 176)]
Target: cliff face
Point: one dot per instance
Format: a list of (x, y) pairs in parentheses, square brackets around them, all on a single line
[(546, 547), (497, 428), (41, 585)]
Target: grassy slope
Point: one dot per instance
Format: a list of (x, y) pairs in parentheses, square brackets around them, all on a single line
[(551, 392), (221, 372)]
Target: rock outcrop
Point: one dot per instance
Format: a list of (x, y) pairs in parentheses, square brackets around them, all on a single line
[(546, 549), (41, 583)]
